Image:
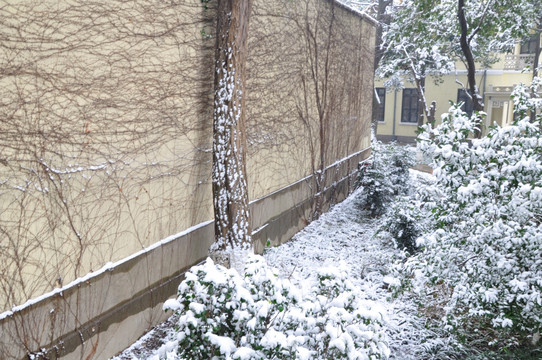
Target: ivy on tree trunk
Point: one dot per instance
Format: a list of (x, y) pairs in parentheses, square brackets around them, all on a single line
[(230, 197)]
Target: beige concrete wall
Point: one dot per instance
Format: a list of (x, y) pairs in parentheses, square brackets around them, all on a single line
[(105, 144), (105, 134), (105, 312), (323, 63)]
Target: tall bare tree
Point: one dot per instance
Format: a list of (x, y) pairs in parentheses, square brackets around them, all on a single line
[(230, 196)]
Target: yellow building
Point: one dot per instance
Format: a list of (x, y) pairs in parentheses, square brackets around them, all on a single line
[(398, 109)]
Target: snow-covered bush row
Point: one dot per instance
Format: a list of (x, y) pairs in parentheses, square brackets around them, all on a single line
[(223, 315), (384, 175), (487, 248)]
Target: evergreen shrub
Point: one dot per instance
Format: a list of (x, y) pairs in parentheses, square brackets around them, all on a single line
[(223, 315), (403, 223), (487, 245), (384, 175)]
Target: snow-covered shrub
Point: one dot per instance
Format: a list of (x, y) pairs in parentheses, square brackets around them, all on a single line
[(411, 216), (487, 248), (223, 315), (404, 223), (338, 324), (384, 175), (376, 189)]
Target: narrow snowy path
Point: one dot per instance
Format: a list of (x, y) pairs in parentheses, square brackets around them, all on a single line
[(345, 234)]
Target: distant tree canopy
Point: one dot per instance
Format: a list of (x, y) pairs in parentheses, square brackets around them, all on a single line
[(428, 37)]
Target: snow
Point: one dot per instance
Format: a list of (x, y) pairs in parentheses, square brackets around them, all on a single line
[(273, 338), (243, 353), (171, 304), (343, 241), (226, 345)]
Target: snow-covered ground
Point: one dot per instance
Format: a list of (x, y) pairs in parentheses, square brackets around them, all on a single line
[(345, 234)]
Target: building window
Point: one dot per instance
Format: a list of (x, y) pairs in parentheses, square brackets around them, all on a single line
[(529, 46), (381, 93), (468, 105), (409, 111)]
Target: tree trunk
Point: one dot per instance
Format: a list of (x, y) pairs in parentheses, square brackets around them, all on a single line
[(375, 107), (232, 219), (536, 63), (469, 59), (422, 110), (432, 110)]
